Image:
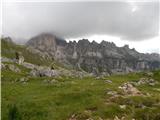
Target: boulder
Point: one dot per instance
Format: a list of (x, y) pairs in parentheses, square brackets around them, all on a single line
[(20, 60), (149, 74), (44, 72), (34, 73), (108, 81), (29, 65), (47, 72), (117, 118), (4, 59), (148, 81), (22, 80), (13, 68), (112, 93), (129, 89), (122, 106), (3, 66)]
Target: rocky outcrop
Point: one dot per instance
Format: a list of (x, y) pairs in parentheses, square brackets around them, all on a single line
[(44, 72), (129, 89), (95, 58)]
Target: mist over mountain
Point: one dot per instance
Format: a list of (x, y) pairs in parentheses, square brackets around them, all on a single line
[(93, 57)]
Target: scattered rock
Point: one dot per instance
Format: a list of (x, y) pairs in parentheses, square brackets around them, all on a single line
[(22, 80), (129, 89), (13, 68), (29, 65), (34, 73), (4, 59), (116, 118), (112, 93), (73, 117), (122, 106), (53, 81), (47, 72), (98, 78), (149, 74), (19, 57), (20, 60), (148, 81), (89, 119), (108, 81), (44, 72), (2, 66)]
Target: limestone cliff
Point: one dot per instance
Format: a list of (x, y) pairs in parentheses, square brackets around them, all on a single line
[(103, 58)]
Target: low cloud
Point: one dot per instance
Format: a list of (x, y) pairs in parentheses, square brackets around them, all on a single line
[(132, 21)]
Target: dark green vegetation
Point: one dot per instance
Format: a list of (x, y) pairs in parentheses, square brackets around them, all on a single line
[(86, 98)]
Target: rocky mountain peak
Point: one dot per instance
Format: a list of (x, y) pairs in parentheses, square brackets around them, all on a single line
[(44, 41), (92, 56)]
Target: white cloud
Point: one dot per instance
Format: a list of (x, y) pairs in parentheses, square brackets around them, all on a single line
[(133, 22)]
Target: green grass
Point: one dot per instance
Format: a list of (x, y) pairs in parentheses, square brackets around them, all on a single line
[(9, 49), (39, 101)]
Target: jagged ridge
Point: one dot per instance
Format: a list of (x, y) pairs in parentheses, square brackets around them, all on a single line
[(101, 58)]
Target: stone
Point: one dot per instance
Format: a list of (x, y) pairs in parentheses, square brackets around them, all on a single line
[(29, 65), (129, 89), (122, 106), (142, 81), (53, 81), (117, 118), (148, 81), (13, 68), (4, 59), (19, 57), (149, 74), (112, 93), (44, 72), (108, 81), (22, 80), (3, 66), (151, 84), (20, 60)]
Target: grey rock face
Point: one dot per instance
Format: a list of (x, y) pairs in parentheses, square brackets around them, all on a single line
[(44, 72), (95, 58), (4, 59), (12, 68)]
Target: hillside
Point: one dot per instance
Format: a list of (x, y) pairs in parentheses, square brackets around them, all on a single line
[(25, 97), (36, 86), (9, 48)]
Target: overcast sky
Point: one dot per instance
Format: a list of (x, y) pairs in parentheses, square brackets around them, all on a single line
[(121, 21)]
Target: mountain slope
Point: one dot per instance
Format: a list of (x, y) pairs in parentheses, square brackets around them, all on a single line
[(9, 49), (92, 57)]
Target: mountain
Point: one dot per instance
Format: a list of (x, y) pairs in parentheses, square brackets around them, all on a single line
[(105, 57), (36, 86), (93, 57)]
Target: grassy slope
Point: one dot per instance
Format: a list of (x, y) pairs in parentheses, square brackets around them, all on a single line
[(38, 101), (8, 50)]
